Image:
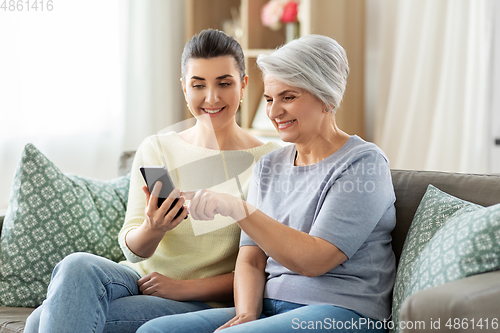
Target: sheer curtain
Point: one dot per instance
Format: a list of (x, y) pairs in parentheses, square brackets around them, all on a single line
[(433, 87), (87, 80), (495, 100), (155, 39)]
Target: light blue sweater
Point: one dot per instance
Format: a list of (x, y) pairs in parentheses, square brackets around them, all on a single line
[(346, 199)]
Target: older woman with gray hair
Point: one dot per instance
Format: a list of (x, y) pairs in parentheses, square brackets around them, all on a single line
[(315, 252)]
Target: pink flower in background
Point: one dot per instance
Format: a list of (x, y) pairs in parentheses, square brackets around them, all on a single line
[(290, 12), (271, 14), (275, 12)]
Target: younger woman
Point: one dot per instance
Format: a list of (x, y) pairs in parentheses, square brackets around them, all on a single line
[(173, 265)]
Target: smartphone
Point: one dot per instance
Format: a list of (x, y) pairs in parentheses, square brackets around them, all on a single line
[(151, 175)]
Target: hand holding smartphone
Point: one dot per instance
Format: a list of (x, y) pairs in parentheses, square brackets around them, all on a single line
[(151, 175)]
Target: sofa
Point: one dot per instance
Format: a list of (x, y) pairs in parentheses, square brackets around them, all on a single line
[(472, 297)]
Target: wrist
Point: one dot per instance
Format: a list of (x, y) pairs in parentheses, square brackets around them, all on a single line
[(249, 309), (141, 242), (186, 290), (240, 209), (150, 232), (251, 314)]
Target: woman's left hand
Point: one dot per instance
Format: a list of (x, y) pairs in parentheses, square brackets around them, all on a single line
[(238, 319), (206, 204), (156, 284)]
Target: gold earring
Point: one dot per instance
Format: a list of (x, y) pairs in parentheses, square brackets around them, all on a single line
[(241, 100), (187, 104)]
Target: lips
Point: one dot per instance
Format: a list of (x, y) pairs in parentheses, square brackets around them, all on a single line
[(213, 111), (285, 124)]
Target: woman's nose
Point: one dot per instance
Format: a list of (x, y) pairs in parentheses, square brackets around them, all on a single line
[(212, 96), (273, 111)]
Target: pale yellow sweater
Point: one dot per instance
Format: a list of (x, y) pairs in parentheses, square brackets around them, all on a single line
[(194, 249)]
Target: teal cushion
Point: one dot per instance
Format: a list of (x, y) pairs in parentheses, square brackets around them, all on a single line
[(435, 209), (51, 215), (468, 244)]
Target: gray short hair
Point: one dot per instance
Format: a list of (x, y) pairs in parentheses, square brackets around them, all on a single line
[(315, 63)]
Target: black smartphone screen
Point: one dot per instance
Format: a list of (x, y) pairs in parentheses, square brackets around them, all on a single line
[(151, 175)]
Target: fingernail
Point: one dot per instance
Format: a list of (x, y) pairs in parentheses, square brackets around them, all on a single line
[(157, 188)]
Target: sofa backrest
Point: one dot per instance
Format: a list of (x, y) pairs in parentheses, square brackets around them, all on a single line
[(410, 187)]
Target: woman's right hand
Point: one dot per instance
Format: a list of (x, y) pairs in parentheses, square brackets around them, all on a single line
[(143, 240), (238, 319), (157, 219)]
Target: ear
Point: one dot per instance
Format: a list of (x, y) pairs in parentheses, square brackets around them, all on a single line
[(328, 109), (244, 84), (183, 88)]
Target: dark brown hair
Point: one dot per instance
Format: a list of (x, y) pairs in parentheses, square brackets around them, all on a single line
[(212, 43)]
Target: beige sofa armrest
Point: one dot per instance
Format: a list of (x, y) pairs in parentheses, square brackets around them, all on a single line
[(473, 300), (13, 319)]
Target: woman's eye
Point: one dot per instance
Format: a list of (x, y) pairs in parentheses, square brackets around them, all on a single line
[(225, 84), (289, 98), (197, 86)]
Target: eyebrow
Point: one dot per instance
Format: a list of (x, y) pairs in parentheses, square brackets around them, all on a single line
[(225, 76), (284, 92)]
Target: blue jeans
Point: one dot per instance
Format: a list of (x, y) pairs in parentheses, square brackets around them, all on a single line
[(277, 317), (89, 293)]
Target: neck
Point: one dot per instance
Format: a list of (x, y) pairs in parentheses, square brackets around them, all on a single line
[(319, 146), (225, 138)]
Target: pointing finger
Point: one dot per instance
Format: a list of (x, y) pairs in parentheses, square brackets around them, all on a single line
[(188, 195)]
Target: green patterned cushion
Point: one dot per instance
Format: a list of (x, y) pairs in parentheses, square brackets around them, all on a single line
[(51, 215), (468, 244), (435, 209)]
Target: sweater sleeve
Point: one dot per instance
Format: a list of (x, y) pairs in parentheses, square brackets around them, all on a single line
[(136, 200)]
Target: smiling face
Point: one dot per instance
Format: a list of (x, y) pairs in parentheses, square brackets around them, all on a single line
[(296, 114), (213, 87)]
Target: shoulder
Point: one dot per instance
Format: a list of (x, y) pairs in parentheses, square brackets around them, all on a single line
[(154, 146), (271, 147), (263, 150), (277, 157), (358, 150), (365, 162), (156, 141), (278, 153)]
